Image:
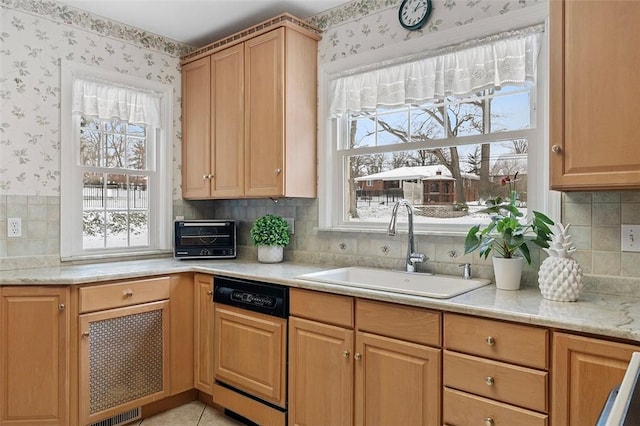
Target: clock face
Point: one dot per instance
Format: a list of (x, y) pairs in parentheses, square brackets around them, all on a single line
[(413, 14)]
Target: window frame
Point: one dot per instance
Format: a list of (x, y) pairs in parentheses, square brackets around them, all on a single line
[(160, 197), (330, 176)]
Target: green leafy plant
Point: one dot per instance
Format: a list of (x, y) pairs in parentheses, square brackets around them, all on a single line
[(506, 234), (270, 230)]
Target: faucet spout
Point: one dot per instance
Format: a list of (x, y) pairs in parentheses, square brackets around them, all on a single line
[(413, 257)]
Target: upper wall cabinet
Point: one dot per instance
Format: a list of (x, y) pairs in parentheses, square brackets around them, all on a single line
[(595, 95), (249, 107)]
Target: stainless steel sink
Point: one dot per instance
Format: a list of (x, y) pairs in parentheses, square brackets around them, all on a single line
[(437, 286)]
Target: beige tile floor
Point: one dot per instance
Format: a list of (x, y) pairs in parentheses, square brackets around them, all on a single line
[(194, 413)]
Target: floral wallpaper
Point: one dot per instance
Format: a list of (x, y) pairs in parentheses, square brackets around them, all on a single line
[(35, 36), (364, 25)]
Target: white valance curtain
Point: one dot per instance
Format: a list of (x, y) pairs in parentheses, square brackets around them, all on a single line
[(104, 100), (462, 72)]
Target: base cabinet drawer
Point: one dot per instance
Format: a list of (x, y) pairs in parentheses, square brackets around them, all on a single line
[(461, 409), (496, 380)]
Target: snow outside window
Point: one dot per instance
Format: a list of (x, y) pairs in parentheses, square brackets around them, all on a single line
[(447, 155), (115, 190)]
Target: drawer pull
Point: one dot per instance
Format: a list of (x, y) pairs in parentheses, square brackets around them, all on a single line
[(488, 421), (346, 354), (357, 356), (127, 293), (489, 340), (490, 381)]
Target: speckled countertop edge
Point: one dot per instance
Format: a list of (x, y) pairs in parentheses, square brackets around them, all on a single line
[(607, 315)]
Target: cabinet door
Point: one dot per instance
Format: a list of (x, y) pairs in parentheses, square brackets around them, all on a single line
[(396, 382), (320, 374), (181, 333), (203, 333), (264, 125), (595, 98), (34, 356), (254, 356), (196, 129), (123, 359), (584, 372), (227, 118)]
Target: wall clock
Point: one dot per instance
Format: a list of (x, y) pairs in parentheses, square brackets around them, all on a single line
[(413, 14)]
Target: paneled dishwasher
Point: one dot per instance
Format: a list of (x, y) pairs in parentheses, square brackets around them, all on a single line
[(250, 341)]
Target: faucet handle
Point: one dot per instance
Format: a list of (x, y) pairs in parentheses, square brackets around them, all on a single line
[(466, 272), (418, 258)]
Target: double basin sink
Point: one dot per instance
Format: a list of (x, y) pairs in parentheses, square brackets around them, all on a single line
[(417, 284)]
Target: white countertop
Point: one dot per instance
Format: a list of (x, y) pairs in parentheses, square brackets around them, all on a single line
[(602, 314)]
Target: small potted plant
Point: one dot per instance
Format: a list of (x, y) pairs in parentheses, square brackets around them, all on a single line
[(270, 234), (507, 236)]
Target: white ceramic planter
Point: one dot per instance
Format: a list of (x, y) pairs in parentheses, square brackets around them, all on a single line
[(270, 254), (508, 272)]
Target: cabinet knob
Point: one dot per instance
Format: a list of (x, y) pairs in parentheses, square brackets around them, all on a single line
[(346, 354), (278, 170), (61, 307), (205, 177), (556, 149), (357, 356), (209, 292), (488, 421), (127, 293), (85, 334), (489, 380), (489, 340)]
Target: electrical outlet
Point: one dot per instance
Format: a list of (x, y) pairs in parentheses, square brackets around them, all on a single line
[(630, 237), (290, 221), (14, 227)]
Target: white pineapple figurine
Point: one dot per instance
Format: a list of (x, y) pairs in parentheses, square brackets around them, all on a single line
[(560, 275)]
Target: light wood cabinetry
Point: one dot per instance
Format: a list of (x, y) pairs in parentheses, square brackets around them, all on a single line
[(585, 370), (34, 356), (213, 125), (196, 129), (493, 371), (181, 337), (203, 334), (249, 116), (389, 376), (594, 95), (247, 336), (124, 346)]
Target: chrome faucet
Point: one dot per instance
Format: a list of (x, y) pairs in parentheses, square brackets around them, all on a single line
[(413, 258)]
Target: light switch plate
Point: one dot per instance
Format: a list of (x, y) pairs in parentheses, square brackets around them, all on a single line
[(630, 237)]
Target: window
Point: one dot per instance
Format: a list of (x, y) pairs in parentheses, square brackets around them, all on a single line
[(116, 171), (446, 152)]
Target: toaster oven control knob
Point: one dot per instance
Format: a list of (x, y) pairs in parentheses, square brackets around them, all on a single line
[(205, 252), (224, 252)]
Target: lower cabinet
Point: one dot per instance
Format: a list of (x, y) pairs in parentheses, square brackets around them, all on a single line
[(320, 373), (203, 333), (494, 372), (34, 355), (585, 371), (362, 362), (124, 347)]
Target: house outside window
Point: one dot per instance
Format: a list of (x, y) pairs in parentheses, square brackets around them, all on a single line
[(116, 159), (446, 154)]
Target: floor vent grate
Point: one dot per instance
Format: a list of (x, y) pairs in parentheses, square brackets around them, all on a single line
[(121, 419)]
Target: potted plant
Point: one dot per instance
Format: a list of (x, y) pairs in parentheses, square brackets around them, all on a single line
[(270, 234), (508, 236)]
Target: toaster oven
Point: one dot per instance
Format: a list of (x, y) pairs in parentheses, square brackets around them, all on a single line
[(204, 239)]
